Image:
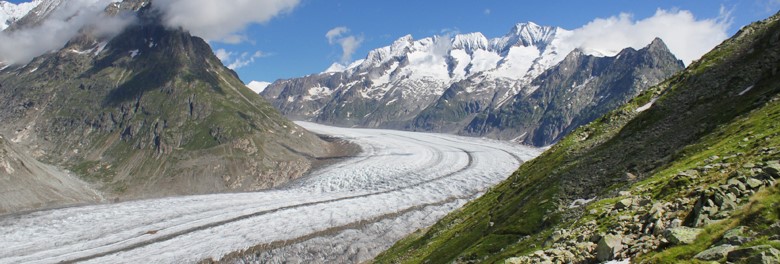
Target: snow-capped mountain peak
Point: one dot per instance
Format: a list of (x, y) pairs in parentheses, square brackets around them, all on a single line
[(10, 12), (527, 34), (338, 67), (471, 42)]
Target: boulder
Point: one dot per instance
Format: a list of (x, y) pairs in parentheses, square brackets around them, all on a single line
[(754, 183), (623, 203), (681, 235), (736, 236), (656, 212), (725, 201), (715, 253), (773, 169), (608, 247), (763, 254), (737, 185), (771, 256)]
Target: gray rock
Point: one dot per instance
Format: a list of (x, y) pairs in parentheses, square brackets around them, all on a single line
[(715, 253), (681, 235), (656, 212), (675, 223), (763, 254), (754, 183), (773, 168), (659, 227), (769, 257), (736, 183), (608, 247), (697, 214), (736, 236), (624, 203)]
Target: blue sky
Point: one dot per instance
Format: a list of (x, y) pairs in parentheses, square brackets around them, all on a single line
[(293, 43)]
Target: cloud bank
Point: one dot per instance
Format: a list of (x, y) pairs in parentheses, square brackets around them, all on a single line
[(349, 43), (19, 47), (220, 20), (687, 37)]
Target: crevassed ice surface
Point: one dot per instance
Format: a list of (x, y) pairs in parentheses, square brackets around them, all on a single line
[(347, 212)]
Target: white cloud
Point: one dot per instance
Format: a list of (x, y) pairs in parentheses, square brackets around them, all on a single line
[(349, 43), (258, 87), (21, 46), (220, 20), (486, 12), (335, 33), (223, 55), (236, 61), (687, 37)]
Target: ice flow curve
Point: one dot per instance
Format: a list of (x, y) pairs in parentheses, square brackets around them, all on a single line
[(401, 181)]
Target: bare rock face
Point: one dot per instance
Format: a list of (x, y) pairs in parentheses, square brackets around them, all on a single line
[(575, 92), (151, 112)]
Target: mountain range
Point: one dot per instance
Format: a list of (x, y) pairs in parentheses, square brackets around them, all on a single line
[(471, 85)]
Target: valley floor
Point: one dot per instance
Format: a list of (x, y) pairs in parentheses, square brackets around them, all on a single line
[(346, 212)]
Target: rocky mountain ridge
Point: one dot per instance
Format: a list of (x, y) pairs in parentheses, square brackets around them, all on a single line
[(472, 85), (572, 93)]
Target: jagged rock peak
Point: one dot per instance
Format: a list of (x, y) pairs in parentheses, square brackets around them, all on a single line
[(657, 44), (528, 34)]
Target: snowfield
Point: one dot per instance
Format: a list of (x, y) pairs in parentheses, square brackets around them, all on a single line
[(347, 212)]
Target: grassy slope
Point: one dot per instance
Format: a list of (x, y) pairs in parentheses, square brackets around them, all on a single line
[(698, 114)]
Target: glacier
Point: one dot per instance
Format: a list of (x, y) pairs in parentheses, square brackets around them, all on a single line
[(346, 212)]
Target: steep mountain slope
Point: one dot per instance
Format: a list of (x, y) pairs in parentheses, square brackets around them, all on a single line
[(150, 112), (572, 93), (640, 181), (10, 12), (507, 88)]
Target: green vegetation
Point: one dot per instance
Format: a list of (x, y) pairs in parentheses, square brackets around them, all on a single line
[(704, 115)]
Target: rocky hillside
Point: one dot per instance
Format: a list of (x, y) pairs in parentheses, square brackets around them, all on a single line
[(28, 183), (150, 112), (520, 86), (685, 172)]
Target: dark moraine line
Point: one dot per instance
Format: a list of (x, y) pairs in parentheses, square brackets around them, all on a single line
[(238, 255)]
